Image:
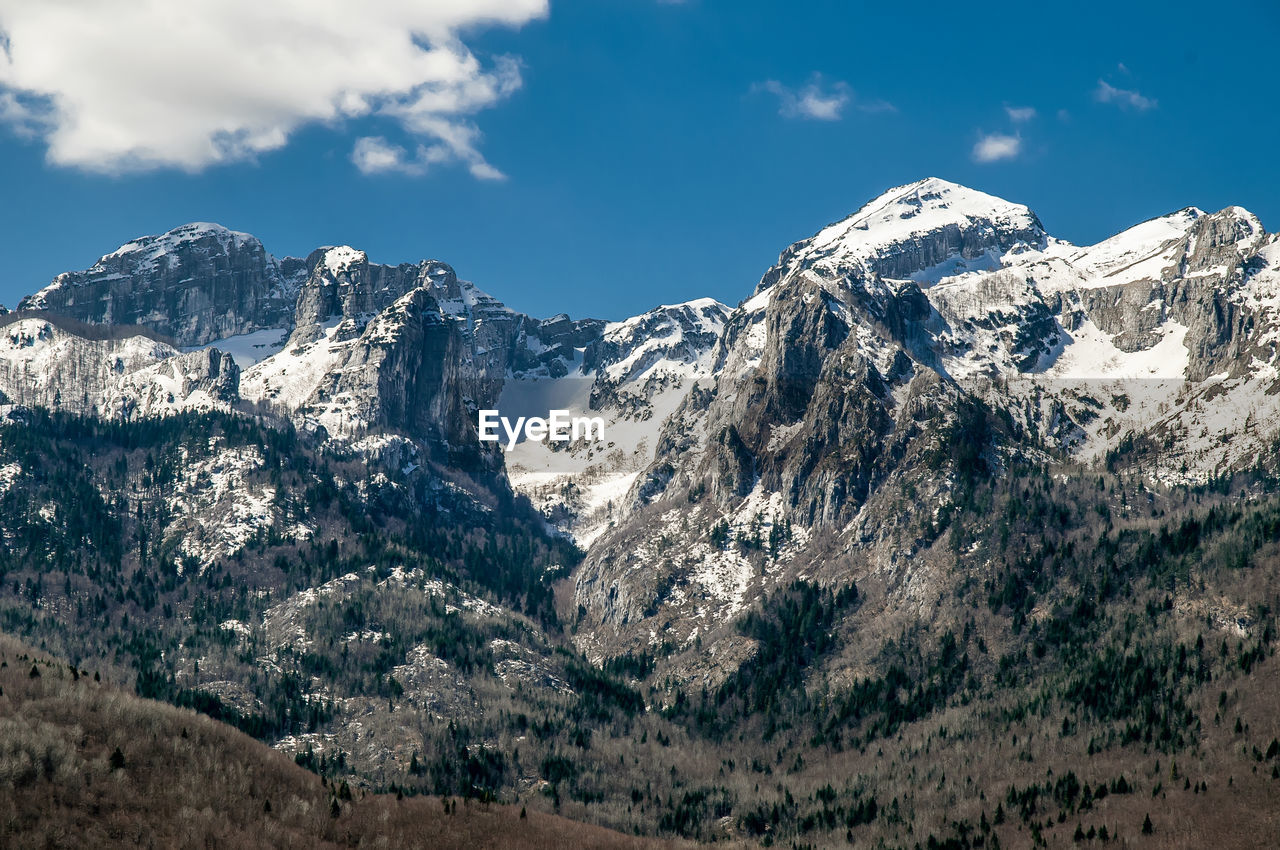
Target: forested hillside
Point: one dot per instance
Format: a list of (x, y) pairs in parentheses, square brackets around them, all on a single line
[(85, 764), (1090, 675)]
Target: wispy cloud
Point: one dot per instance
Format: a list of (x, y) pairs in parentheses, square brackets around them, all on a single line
[(818, 100), (375, 155), (1020, 114), (996, 146), (1124, 98), (116, 87)]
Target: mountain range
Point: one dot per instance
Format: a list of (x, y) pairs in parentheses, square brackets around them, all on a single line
[(935, 465)]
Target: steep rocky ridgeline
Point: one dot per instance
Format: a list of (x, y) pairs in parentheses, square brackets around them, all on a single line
[(333, 341)]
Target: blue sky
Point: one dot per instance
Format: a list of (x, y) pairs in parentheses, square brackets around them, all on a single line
[(603, 157)]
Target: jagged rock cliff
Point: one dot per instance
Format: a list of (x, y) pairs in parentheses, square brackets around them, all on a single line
[(406, 370), (334, 340)]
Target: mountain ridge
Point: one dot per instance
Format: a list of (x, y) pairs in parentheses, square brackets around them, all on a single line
[(916, 487)]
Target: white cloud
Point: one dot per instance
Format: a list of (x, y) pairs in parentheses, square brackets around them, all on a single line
[(1125, 98), (121, 85), (1020, 114), (996, 146), (817, 100), (374, 155)]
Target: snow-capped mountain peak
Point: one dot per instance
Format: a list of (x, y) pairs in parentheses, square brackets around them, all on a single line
[(923, 231), (154, 246), (669, 335), (143, 254), (921, 207)]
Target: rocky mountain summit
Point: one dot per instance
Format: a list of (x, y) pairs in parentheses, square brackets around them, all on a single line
[(332, 341), (195, 284)]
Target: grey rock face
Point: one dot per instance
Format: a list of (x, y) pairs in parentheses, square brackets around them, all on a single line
[(1194, 288), (215, 372), (547, 345), (342, 285), (812, 418), (195, 284), (347, 297), (1221, 241), (561, 331), (408, 372)]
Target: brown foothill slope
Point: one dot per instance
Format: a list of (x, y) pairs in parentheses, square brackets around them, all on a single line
[(85, 764)]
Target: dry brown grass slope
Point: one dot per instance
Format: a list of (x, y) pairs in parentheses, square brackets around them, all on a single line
[(84, 764)]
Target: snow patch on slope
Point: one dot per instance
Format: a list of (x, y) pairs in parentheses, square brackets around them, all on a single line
[(1090, 354), (251, 348), (290, 376), (1142, 252)]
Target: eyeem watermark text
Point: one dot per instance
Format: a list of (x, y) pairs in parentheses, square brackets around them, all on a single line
[(558, 427)]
